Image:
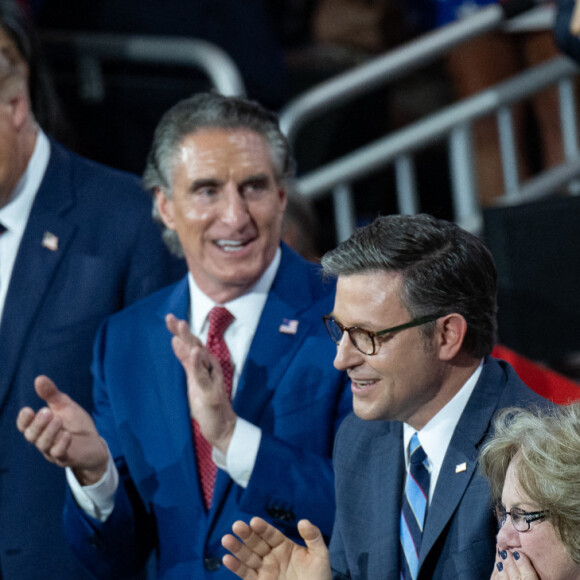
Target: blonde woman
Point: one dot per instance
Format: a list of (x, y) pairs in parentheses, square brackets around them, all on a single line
[(533, 466)]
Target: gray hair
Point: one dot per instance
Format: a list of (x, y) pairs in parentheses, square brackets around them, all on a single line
[(210, 111), (444, 270), (545, 445)]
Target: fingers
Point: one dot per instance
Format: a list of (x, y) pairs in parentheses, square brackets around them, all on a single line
[(180, 329), (575, 20), (35, 425), (311, 535), (238, 568), (24, 418), (49, 393), (253, 548), (511, 564), (45, 431), (189, 349), (257, 540), (259, 536), (264, 536), (243, 560)]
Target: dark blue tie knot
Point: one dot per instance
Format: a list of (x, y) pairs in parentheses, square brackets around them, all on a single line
[(416, 453)]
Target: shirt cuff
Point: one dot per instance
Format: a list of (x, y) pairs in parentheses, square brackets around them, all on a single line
[(242, 452), (98, 499)]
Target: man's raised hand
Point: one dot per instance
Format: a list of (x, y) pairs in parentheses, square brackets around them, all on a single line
[(209, 402), (265, 553), (64, 433)]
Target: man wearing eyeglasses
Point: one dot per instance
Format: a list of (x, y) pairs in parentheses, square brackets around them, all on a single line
[(414, 321)]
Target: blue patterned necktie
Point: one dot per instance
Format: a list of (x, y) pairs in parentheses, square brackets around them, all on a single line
[(414, 511)]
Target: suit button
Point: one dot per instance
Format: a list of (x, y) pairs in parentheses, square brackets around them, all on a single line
[(212, 564), (280, 514)]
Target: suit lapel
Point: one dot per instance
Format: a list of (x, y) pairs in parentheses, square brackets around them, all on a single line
[(36, 264), (460, 463), (171, 404), (272, 350), (393, 470)]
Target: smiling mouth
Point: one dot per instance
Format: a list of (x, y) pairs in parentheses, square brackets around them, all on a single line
[(363, 384), (231, 246)]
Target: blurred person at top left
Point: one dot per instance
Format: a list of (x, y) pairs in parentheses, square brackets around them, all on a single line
[(77, 243)]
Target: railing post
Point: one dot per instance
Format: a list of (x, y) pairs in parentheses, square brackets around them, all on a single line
[(408, 202), (344, 212), (463, 184), (568, 118), (509, 156), (569, 124), (91, 84)]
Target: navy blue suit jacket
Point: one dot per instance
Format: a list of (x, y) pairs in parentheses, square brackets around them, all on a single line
[(459, 536), (109, 255), (565, 40), (288, 387)]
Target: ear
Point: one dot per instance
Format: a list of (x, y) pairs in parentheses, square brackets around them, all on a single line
[(16, 101), (450, 331), (20, 108), (283, 199), (166, 208)]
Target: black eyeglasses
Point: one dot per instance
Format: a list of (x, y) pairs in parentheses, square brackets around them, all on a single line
[(521, 519), (364, 340)]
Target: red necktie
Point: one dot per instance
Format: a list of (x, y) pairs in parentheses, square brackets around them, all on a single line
[(219, 319)]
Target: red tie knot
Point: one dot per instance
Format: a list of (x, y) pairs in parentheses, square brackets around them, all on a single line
[(219, 319)]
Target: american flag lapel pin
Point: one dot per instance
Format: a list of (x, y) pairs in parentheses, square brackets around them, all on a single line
[(50, 241), (288, 326), (461, 467)]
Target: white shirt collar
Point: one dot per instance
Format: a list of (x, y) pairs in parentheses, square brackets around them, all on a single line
[(14, 215), (246, 309), (437, 433)]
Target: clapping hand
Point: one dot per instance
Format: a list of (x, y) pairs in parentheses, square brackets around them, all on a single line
[(209, 402), (64, 433), (264, 553)]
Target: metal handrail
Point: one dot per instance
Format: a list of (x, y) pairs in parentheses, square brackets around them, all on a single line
[(388, 67), (453, 123), (381, 152), (92, 48)]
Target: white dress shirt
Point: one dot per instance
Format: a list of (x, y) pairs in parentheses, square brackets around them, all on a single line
[(14, 215), (436, 434), (97, 500)]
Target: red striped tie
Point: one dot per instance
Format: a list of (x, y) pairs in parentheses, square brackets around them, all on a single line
[(219, 319)]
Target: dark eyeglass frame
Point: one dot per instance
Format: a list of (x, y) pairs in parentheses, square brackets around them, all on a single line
[(329, 319), (522, 519)]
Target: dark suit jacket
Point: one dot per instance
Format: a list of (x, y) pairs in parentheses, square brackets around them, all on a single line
[(109, 254), (565, 40), (459, 537), (288, 387)]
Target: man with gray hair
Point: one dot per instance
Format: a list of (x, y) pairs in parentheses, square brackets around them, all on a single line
[(414, 324), (260, 401)]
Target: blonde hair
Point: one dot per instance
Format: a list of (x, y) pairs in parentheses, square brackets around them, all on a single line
[(546, 447)]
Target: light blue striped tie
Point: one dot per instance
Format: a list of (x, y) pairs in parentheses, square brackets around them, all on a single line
[(414, 511)]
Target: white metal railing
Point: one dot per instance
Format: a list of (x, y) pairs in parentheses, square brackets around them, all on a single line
[(453, 123), (91, 49)]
